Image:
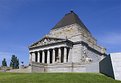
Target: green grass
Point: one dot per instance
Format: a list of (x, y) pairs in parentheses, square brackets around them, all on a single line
[(55, 78)]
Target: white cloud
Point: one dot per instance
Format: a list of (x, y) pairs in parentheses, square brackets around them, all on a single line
[(111, 38), (6, 5), (111, 41), (5, 54)]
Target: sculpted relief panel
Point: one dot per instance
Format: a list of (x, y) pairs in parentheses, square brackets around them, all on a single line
[(46, 41), (84, 57)]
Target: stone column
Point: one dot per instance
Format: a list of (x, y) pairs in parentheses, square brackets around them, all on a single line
[(33, 57), (65, 54), (59, 54), (53, 59), (43, 56), (70, 55), (38, 58), (48, 56)]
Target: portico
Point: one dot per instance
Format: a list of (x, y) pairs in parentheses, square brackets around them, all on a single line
[(50, 56), (56, 52)]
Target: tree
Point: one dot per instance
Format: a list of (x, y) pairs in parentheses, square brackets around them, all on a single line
[(4, 63), (14, 62)]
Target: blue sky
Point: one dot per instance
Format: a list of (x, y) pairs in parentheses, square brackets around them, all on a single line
[(23, 22)]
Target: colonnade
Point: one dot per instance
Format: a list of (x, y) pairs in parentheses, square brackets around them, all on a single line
[(49, 56)]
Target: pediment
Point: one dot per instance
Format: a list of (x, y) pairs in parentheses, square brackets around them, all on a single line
[(46, 41)]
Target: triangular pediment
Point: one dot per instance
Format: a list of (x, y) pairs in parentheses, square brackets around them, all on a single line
[(46, 41)]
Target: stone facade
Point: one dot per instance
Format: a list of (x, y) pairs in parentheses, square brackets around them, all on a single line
[(68, 47)]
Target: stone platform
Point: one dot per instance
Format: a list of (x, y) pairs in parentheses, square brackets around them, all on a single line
[(65, 67)]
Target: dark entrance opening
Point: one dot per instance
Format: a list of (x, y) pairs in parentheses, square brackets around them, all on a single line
[(40, 56), (45, 56), (56, 54), (36, 57), (62, 54), (51, 53)]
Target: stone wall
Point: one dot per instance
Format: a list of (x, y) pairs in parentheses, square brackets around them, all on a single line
[(93, 67), (65, 32), (75, 33), (116, 63), (94, 56), (111, 66), (24, 70), (61, 67), (76, 53), (65, 67)]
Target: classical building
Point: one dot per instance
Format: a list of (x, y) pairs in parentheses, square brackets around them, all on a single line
[(68, 47)]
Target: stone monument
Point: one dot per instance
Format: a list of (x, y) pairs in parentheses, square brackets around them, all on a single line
[(68, 47)]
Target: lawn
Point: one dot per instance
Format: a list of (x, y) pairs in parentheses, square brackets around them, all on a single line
[(55, 78)]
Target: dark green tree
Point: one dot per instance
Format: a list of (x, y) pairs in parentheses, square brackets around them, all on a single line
[(14, 62), (4, 63)]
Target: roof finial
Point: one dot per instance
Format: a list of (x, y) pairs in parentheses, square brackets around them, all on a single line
[(71, 11)]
